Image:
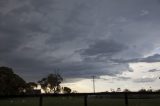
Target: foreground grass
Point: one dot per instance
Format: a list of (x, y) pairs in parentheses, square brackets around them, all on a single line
[(77, 101), (144, 102), (105, 102), (20, 102)]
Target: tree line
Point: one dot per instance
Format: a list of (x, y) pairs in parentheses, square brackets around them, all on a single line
[(13, 84)]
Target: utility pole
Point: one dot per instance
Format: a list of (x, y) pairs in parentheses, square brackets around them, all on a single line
[(93, 83)]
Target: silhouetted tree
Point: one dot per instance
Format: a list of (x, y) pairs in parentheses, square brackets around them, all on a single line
[(157, 90), (30, 87), (142, 90), (150, 89), (74, 91), (118, 90), (51, 83), (112, 90), (66, 90), (126, 90), (10, 83)]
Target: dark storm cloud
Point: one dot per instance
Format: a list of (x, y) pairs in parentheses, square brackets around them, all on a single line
[(103, 48), (150, 59), (153, 70), (81, 38), (144, 80), (124, 78)]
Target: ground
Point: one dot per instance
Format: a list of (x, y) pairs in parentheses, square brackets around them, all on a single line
[(78, 101)]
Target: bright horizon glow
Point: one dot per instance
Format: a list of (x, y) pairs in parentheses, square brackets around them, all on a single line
[(140, 71)]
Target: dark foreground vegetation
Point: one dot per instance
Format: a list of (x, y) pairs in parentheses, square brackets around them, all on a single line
[(13, 84), (84, 99)]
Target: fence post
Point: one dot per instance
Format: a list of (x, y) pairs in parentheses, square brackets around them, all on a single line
[(41, 100), (126, 99), (85, 100)]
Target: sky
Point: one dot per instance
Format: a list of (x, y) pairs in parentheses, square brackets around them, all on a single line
[(117, 41)]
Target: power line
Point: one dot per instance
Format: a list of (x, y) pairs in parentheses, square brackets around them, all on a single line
[(93, 83)]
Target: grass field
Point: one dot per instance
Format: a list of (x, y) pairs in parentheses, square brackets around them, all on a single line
[(77, 101)]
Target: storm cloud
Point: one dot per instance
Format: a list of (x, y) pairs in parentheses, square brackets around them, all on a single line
[(144, 80), (153, 70), (79, 37), (150, 59)]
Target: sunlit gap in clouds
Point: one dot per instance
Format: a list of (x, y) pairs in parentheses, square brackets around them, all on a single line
[(141, 77)]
